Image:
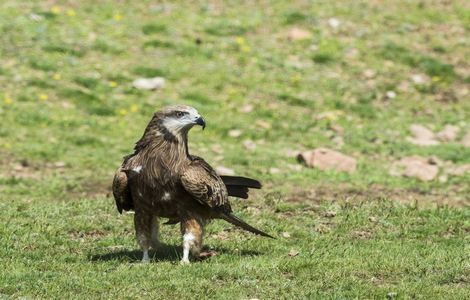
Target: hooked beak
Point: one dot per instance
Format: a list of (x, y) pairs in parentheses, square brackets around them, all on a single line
[(200, 121)]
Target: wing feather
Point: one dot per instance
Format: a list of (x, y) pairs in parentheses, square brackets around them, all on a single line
[(203, 183)]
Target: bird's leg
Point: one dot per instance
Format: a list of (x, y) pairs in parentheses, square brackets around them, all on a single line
[(192, 230), (143, 229), (154, 233)]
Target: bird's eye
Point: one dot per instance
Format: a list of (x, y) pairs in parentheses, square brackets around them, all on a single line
[(179, 114)]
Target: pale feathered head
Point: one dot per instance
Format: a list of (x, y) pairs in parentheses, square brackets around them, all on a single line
[(179, 119)]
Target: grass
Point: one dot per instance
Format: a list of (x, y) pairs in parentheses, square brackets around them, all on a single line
[(69, 113)]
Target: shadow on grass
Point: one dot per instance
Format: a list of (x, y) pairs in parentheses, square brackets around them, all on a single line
[(163, 253)]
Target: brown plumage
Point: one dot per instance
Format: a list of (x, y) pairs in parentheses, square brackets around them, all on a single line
[(161, 179)]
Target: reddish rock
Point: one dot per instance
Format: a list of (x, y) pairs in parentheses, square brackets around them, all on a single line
[(327, 159), (416, 166), (421, 136), (298, 34), (448, 134), (458, 170), (466, 140)]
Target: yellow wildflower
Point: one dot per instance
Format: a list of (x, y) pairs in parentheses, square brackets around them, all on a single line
[(295, 79), (56, 9), (123, 111), (71, 13), (7, 100), (117, 17), (245, 48), (113, 84), (43, 97), (57, 76), (240, 40), (134, 108)]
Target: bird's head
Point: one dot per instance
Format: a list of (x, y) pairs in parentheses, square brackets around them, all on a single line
[(179, 119)]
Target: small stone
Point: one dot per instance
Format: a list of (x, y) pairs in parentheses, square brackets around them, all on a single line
[(421, 136), (293, 253), (337, 128), (221, 170), (36, 17), (263, 124), (234, 133), (274, 171), (369, 74), (149, 83), (327, 159), (247, 108), (334, 23), (217, 148), (415, 166), (285, 235), (458, 170), (59, 164), (466, 140), (249, 145), (419, 79), (443, 178), (448, 134), (390, 94), (299, 34)]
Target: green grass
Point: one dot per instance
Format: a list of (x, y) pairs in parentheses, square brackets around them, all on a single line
[(69, 113)]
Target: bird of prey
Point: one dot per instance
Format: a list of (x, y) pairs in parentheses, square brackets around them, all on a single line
[(162, 180)]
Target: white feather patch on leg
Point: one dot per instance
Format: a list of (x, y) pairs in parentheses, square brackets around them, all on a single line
[(188, 241)]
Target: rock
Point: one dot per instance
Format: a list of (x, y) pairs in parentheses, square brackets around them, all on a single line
[(149, 83), (415, 166), (247, 108), (458, 170), (234, 133), (419, 79), (293, 253), (298, 34), (36, 17), (448, 134), (337, 129), (369, 74), (217, 148), (334, 23), (390, 95), (421, 136), (59, 164), (263, 124), (466, 140), (285, 235), (249, 145), (327, 159), (443, 178), (224, 171), (274, 171)]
